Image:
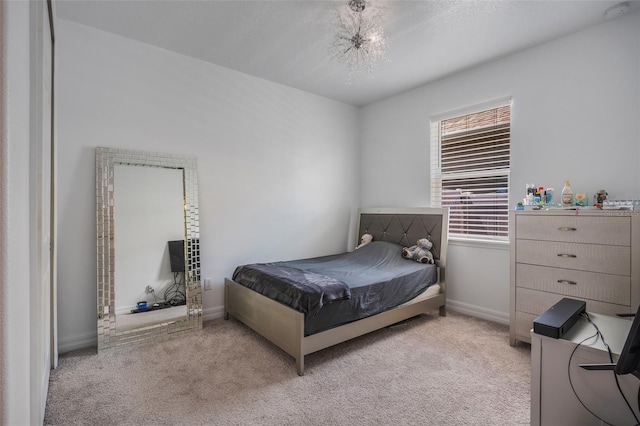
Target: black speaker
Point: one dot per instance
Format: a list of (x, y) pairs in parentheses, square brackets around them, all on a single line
[(176, 255), (558, 319)]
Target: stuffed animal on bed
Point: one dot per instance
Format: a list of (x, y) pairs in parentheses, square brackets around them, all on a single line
[(420, 252), (366, 239)]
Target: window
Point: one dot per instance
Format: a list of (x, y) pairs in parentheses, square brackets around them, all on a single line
[(470, 162)]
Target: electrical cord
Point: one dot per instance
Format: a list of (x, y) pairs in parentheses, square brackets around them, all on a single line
[(598, 334), (571, 382), (155, 298), (615, 376), (174, 295)]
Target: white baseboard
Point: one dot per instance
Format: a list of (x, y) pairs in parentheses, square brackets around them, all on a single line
[(44, 389), (479, 312), (125, 309), (212, 313), (86, 340), (463, 308), (90, 339), (78, 341)]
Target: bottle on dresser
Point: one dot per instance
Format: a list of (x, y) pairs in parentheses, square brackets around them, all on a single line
[(567, 195)]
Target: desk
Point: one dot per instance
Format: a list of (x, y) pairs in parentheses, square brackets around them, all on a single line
[(553, 402)]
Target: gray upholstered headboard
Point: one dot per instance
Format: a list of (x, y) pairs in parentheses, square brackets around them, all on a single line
[(406, 226)]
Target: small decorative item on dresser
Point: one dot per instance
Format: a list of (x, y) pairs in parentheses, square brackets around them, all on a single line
[(601, 196), (582, 199), (567, 195)]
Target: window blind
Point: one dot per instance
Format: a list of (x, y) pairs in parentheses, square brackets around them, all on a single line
[(470, 165)]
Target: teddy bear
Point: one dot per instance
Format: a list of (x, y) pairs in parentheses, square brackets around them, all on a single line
[(364, 240), (420, 252)]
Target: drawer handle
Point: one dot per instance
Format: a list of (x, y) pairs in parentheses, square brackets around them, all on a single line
[(566, 255), (567, 282), (567, 228)]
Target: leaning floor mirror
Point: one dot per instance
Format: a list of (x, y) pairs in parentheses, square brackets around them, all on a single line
[(148, 246)]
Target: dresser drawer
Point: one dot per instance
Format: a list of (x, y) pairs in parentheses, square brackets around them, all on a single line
[(574, 283), (575, 229), (586, 257), (536, 302)]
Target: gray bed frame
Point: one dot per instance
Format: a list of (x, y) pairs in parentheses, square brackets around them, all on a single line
[(284, 326)]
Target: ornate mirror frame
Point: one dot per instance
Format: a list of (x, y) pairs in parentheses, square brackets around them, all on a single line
[(106, 159)]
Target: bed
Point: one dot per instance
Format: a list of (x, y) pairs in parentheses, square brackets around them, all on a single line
[(300, 325)]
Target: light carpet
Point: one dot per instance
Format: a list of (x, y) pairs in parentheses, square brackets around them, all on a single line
[(430, 370)]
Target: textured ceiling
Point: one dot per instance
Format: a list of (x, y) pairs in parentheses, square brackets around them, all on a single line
[(287, 42)]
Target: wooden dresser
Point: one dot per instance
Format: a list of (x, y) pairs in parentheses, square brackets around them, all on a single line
[(591, 255)]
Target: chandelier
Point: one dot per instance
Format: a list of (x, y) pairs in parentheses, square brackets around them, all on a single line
[(359, 42)]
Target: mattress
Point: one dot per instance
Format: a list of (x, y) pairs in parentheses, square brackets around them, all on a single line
[(377, 276)]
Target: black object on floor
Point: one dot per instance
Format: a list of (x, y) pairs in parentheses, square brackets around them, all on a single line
[(154, 307)]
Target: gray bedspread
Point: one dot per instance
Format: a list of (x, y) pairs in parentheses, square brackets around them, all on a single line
[(376, 278), (303, 290)]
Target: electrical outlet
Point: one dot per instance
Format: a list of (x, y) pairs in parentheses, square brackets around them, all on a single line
[(149, 289), (208, 283)]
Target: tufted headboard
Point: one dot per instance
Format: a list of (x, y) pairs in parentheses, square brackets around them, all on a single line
[(406, 226)]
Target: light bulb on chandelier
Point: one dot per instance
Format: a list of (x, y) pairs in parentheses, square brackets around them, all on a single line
[(359, 42)]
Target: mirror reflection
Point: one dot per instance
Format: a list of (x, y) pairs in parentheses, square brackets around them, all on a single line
[(149, 248)]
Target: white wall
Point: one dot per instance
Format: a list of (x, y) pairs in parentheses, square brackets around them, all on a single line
[(15, 377), (277, 167), (280, 169), (25, 355), (575, 115)]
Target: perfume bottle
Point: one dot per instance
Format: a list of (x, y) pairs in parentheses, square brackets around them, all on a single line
[(567, 195), (549, 196)]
